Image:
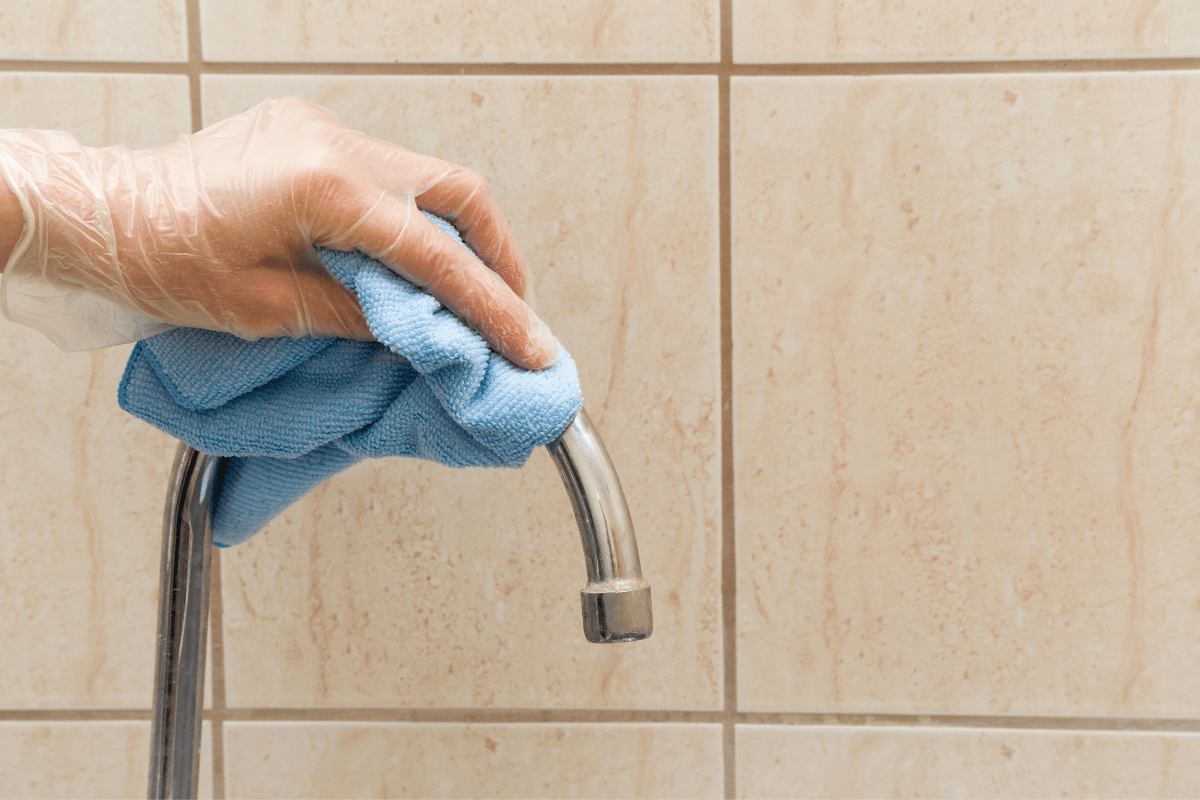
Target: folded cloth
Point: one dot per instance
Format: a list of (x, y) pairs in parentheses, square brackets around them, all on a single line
[(290, 413)]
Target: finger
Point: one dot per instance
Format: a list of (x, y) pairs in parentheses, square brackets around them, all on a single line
[(463, 197), (393, 231), (459, 195)]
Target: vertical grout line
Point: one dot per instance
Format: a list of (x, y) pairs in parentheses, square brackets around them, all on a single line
[(216, 637), (195, 62), (728, 532)]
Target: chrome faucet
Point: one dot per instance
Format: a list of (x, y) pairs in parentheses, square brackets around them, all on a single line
[(616, 600)]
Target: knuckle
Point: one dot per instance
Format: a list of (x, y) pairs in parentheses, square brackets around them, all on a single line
[(473, 181), (323, 163), (304, 117), (326, 179), (298, 105)]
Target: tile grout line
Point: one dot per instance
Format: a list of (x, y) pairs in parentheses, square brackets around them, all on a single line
[(195, 62), (548, 716), (728, 528), (194, 67), (219, 712), (560, 716)]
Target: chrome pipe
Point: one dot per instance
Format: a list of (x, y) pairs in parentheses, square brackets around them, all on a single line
[(616, 600), (182, 627)]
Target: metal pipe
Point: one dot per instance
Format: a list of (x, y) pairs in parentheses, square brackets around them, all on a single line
[(616, 601), (182, 627)]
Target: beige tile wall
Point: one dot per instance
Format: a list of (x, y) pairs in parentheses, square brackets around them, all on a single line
[(896, 361), (357, 759), (965, 351), (869, 761), (966, 30), (460, 31), (94, 30), (100, 758)]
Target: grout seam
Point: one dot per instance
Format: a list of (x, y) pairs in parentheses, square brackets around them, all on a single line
[(196, 66), (728, 529), (217, 715), (195, 62), (552, 716)]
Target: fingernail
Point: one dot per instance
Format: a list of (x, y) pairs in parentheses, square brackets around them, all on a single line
[(545, 339)]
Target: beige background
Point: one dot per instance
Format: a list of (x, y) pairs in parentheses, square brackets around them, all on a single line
[(888, 314)]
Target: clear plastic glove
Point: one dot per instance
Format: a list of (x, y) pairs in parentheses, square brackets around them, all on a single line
[(217, 231)]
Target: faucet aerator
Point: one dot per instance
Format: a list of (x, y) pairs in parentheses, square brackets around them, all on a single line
[(616, 616)]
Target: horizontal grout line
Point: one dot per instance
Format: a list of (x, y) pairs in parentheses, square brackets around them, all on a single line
[(811, 69), (343, 68), (645, 716), (999, 722), (350, 68), (118, 67), (558, 716), (74, 715), (866, 68), (469, 715)]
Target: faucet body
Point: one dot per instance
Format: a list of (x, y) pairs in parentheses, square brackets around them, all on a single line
[(616, 600)]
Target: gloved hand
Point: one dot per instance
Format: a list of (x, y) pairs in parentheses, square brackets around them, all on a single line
[(217, 231)]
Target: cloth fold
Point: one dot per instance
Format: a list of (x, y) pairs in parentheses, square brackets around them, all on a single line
[(290, 413)]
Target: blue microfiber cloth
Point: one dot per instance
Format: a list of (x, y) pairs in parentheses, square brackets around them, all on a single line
[(291, 413)]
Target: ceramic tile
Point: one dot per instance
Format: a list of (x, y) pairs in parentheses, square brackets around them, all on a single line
[(451, 760), (786, 761), (81, 483), (102, 30), (83, 759), (81, 519), (966, 318), (100, 110), (928, 30), (459, 30), (403, 583)]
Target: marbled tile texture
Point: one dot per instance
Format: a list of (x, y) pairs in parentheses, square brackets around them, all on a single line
[(834, 762), (460, 30), (98, 109), (99, 30), (967, 366), (402, 583), (81, 483), (319, 760), (932, 30), (84, 759)]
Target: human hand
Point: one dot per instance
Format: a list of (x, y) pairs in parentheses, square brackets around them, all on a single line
[(218, 231)]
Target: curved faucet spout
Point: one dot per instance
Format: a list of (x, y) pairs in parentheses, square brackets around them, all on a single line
[(616, 600)]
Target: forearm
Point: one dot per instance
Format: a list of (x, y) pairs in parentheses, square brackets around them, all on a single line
[(12, 222)]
